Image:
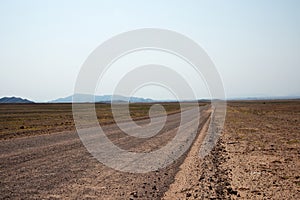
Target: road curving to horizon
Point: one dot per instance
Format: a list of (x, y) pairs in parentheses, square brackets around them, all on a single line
[(58, 166)]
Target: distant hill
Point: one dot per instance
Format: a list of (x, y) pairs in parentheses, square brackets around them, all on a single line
[(103, 98), (14, 100), (266, 98)]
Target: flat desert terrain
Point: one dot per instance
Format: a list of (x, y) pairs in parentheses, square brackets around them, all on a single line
[(256, 157)]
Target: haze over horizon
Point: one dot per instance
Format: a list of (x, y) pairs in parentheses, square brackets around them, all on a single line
[(254, 45)]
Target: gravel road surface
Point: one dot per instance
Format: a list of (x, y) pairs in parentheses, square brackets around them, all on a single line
[(57, 166)]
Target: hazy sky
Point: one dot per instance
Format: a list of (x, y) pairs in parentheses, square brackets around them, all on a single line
[(255, 45)]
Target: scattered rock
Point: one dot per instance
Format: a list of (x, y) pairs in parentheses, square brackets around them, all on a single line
[(231, 191), (188, 194), (134, 194)]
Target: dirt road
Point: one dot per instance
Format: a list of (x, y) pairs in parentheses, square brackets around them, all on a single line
[(57, 166)]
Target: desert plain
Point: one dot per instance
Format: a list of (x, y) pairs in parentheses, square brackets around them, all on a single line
[(256, 157)]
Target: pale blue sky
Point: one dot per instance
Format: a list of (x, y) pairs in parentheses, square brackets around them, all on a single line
[(255, 45)]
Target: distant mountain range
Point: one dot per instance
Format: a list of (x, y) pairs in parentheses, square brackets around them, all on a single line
[(104, 98), (119, 98), (14, 100)]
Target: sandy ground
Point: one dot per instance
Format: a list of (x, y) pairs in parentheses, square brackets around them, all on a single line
[(257, 156), (262, 144), (186, 178), (22, 120), (57, 166)]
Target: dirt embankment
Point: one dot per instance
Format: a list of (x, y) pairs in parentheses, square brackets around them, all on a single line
[(202, 177)]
